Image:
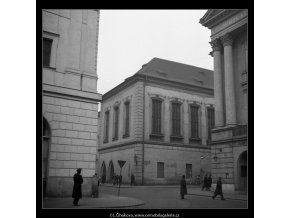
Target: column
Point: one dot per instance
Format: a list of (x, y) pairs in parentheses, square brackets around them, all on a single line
[(218, 83), (229, 80)]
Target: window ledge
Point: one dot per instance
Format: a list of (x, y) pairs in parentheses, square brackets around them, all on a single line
[(114, 139), (48, 67), (195, 139), (176, 137), (156, 135), (126, 136)]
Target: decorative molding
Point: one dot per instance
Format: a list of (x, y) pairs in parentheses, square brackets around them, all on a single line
[(182, 145), (158, 96), (160, 81), (216, 45), (226, 39)]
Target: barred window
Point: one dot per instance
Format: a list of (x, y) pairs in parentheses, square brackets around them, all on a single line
[(160, 170), (188, 170), (194, 121), (116, 123), (156, 116), (127, 119), (175, 119), (210, 120), (47, 44), (106, 126)]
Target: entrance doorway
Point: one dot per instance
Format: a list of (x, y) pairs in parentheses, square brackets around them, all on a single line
[(242, 171), (111, 171), (103, 171), (45, 150)]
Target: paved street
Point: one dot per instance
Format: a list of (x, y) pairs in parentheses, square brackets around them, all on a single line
[(168, 197)]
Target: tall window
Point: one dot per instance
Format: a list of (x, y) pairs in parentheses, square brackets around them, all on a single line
[(175, 119), (188, 170), (127, 119), (107, 126), (116, 123), (210, 121), (194, 121), (47, 43), (160, 170), (156, 116)]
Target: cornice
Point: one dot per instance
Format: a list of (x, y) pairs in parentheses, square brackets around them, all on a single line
[(218, 18), (154, 143), (73, 94), (160, 81)]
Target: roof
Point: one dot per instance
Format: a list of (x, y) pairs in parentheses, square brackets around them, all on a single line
[(174, 71)]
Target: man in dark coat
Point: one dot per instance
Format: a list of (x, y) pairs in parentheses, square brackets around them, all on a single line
[(209, 182), (205, 182), (218, 189), (77, 190), (183, 189)]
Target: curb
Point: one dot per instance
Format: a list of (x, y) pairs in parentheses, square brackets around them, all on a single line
[(224, 196)]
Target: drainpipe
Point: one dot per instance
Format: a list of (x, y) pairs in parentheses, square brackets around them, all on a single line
[(143, 136)]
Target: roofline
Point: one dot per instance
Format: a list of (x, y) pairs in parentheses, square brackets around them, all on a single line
[(219, 17), (141, 77)]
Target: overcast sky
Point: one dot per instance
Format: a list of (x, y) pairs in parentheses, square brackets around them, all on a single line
[(130, 38)]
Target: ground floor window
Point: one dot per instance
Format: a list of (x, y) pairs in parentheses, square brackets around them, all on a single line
[(160, 170), (188, 170)]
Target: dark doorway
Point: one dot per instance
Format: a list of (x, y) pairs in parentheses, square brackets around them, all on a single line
[(103, 171), (111, 171), (242, 171), (45, 150)]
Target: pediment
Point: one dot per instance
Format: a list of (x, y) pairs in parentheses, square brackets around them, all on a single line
[(214, 16)]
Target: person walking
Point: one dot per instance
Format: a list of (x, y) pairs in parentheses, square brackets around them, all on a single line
[(209, 182), (183, 189), (205, 182), (77, 189), (218, 189)]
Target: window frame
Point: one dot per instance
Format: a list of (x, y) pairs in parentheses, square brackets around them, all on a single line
[(106, 125), (55, 38), (158, 171), (127, 111)]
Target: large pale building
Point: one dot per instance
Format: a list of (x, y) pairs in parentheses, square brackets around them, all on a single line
[(229, 40), (70, 98), (158, 121)]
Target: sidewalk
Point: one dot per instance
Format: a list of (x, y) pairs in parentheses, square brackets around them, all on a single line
[(191, 190), (104, 201), (232, 196)]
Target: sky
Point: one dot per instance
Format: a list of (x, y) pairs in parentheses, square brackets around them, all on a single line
[(130, 38)]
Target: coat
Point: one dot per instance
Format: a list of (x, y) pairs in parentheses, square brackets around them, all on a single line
[(218, 189), (77, 189), (209, 181), (183, 189)]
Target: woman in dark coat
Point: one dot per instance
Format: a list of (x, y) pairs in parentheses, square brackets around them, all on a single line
[(209, 182), (218, 189), (77, 190), (183, 189)]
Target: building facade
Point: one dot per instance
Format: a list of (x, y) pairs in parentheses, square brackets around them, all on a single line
[(229, 137), (70, 98), (158, 121)]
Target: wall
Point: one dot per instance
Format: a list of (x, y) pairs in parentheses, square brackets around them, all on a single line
[(74, 50), (73, 139), (187, 98), (175, 160)]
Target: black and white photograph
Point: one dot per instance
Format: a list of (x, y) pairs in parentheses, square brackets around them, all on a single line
[(145, 109)]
